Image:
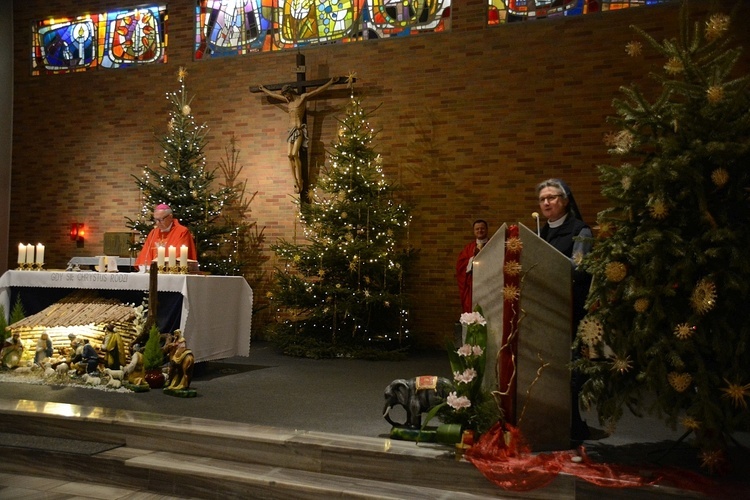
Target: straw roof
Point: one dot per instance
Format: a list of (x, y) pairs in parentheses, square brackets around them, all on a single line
[(82, 307)]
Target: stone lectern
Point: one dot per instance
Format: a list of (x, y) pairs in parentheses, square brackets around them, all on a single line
[(533, 372)]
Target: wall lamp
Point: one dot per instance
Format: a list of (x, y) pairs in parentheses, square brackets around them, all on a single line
[(77, 232)]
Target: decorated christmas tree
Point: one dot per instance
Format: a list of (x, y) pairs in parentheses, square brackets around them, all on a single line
[(342, 291), (240, 251), (183, 182), (666, 330)]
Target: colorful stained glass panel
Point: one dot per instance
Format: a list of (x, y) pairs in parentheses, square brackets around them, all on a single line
[(134, 37), (228, 28), (108, 40), (287, 24), (503, 11), (65, 45)]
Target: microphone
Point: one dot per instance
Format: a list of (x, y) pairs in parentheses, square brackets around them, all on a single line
[(536, 216)]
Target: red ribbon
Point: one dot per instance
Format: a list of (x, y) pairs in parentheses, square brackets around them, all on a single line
[(509, 344)]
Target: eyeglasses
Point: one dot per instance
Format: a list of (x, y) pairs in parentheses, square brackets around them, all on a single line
[(158, 219), (549, 198)]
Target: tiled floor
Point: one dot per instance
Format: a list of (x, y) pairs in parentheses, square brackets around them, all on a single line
[(17, 487)]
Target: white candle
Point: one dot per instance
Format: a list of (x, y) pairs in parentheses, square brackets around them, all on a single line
[(172, 256), (21, 253), (183, 256), (29, 253), (160, 256), (39, 254)]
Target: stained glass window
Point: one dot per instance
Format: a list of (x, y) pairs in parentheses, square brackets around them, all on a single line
[(233, 27), (506, 11), (115, 39)]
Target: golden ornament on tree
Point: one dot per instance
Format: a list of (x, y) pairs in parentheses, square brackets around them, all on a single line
[(683, 331), (680, 382), (606, 229), (633, 49), (674, 66), (690, 423), (704, 297), (658, 210), (641, 305), (716, 26), (591, 331), (737, 393), (719, 177), (615, 271), (621, 365), (715, 94)]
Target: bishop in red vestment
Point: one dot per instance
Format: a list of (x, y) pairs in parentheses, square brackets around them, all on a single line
[(168, 232)]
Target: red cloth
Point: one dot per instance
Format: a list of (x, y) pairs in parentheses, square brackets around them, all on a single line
[(465, 280), (177, 236), (502, 455)]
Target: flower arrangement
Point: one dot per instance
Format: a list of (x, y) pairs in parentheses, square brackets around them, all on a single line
[(469, 405)]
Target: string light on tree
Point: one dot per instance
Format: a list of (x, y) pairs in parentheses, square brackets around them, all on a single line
[(350, 272)]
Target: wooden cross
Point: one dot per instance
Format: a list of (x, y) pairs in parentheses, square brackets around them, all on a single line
[(295, 94)]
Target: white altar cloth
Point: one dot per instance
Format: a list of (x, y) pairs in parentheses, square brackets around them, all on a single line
[(216, 314)]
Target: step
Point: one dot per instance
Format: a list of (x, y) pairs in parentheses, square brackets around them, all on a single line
[(363, 458)]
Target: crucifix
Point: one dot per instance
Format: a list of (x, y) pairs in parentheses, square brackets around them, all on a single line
[(295, 94)]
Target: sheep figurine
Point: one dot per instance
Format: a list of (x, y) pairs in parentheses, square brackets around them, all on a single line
[(91, 379), (114, 383), (62, 369), (114, 374)]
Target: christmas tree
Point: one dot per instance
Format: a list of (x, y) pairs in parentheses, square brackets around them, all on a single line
[(665, 331), (183, 182), (342, 292), (240, 251)]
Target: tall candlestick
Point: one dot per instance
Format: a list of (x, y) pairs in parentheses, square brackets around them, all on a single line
[(21, 253), (172, 256), (39, 254), (160, 256), (29, 253), (183, 256)]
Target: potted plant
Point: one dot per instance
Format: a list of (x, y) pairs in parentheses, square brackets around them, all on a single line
[(153, 359)]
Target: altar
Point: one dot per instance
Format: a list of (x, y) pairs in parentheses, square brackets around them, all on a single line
[(213, 312)]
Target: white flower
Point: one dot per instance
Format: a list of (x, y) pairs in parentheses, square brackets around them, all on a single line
[(464, 350), (473, 317), (457, 402), (470, 350), (467, 376)]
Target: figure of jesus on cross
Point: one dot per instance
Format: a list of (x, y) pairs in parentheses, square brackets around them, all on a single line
[(297, 136)]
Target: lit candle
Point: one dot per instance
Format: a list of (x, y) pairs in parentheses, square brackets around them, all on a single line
[(21, 253), (160, 256), (29, 253), (39, 254), (172, 256), (183, 256)]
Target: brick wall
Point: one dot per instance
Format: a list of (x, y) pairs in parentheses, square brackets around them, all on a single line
[(469, 122)]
